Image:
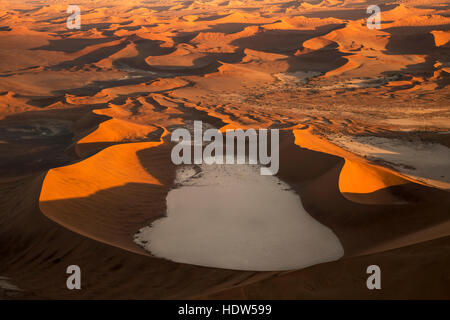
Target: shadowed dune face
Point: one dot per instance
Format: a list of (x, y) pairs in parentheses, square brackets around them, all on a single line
[(86, 115)]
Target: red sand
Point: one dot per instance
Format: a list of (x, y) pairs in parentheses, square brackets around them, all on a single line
[(85, 162)]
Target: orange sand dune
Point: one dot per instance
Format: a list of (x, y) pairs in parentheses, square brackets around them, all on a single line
[(61, 185), (114, 131), (357, 178), (441, 38)]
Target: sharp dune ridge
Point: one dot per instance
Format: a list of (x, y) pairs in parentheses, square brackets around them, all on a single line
[(86, 115)]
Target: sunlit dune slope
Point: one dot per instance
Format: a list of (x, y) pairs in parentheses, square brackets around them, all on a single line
[(109, 195)]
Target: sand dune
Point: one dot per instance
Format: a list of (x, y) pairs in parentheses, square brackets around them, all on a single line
[(85, 119), (61, 187)]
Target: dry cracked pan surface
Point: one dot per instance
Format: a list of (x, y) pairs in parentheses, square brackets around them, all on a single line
[(85, 160)]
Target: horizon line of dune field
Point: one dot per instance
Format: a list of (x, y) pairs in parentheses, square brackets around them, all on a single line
[(89, 100)]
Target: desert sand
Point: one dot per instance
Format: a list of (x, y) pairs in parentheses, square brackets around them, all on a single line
[(251, 222), (85, 117)]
